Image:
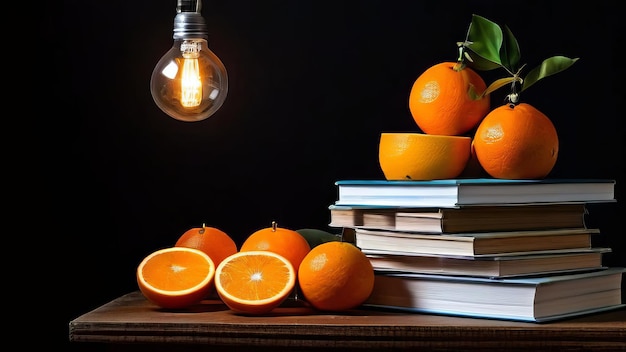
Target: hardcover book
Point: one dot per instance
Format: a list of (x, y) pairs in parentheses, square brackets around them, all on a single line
[(532, 299), (494, 266), (473, 244), (463, 219), (453, 193)]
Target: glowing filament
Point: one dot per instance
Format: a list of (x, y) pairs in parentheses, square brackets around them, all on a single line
[(190, 84)]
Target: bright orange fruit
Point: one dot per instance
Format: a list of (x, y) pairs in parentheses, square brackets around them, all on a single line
[(516, 142), (212, 241), (336, 276), (419, 156), (254, 282), (286, 242), (444, 99), (176, 277)]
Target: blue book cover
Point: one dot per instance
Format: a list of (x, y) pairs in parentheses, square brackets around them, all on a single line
[(472, 191), (503, 317), (531, 299)]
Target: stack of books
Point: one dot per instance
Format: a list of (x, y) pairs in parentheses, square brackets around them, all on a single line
[(487, 248)]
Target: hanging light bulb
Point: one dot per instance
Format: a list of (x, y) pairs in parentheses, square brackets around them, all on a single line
[(189, 83)]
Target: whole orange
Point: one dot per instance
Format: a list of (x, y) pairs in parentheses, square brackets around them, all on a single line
[(445, 99), (216, 243), (286, 242), (336, 276), (516, 142)]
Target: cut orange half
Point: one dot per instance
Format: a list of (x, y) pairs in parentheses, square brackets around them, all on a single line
[(420, 156), (176, 277), (254, 282)]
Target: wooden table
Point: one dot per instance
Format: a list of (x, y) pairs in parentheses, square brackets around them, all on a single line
[(131, 323)]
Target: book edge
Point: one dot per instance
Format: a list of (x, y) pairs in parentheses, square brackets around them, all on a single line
[(497, 316), (472, 181)]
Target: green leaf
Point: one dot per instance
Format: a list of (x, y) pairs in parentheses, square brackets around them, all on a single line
[(510, 54), (486, 39), (478, 63), (315, 237), (547, 68), (500, 83)]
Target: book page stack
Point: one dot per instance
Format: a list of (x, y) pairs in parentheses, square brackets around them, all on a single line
[(486, 248)]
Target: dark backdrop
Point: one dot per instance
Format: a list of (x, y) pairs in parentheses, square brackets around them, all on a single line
[(312, 85)]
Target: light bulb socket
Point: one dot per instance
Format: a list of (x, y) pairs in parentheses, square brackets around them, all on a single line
[(190, 25)]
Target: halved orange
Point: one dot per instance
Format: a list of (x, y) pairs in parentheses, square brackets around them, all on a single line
[(420, 156), (254, 282), (176, 277)]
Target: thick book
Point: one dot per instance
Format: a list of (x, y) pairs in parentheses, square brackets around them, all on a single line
[(463, 219), (531, 299), (474, 244), (493, 266), (453, 193)]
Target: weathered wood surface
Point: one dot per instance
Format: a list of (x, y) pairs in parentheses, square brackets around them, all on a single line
[(130, 322)]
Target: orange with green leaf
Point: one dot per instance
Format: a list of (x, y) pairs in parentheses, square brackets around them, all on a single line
[(516, 140)]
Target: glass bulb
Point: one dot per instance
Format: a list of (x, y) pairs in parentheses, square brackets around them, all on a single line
[(189, 83)]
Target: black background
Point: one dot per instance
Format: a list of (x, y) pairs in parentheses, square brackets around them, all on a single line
[(312, 84)]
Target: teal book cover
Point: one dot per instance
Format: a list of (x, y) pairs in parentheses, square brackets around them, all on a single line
[(531, 299), (472, 191)]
